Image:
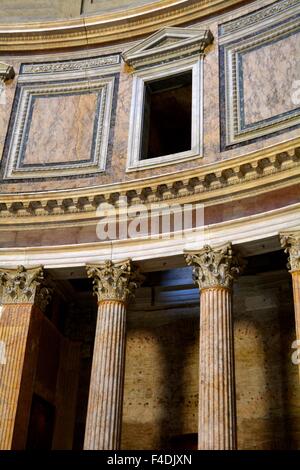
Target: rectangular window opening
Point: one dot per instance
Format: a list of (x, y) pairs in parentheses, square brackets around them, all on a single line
[(167, 119)]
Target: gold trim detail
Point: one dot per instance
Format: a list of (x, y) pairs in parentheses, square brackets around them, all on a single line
[(106, 28)]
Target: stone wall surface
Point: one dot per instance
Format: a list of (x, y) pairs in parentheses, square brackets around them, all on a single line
[(161, 373), (267, 105)]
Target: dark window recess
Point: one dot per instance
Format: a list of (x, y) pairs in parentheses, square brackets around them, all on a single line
[(41, 424), (167, 122)]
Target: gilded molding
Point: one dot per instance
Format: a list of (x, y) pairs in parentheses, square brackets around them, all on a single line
[(291, 244), (114, 281), (110, 27), (24, 285), (214, 267)]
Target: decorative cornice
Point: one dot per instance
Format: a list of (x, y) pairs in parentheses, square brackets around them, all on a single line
[(109, 27), (261, 168), (256, 17), (6, 72), (71, 65), (114, 281), (214, 267), (245, 231), (23, 285), (291, 244), (166, 45)]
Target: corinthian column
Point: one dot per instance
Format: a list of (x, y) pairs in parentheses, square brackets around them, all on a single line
[(214, 271), (114, 284), (291, 243), (23, 298)]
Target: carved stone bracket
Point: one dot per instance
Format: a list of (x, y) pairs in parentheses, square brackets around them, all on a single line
[(23, 285), (115, 281), (6, 72), (291, 244), (215, 267)]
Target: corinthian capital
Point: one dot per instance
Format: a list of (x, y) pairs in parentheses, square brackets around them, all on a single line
[(114, 281), (214, 267), (23, 285), (291, 244)]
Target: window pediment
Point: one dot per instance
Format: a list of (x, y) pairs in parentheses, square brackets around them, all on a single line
[(166, 45)]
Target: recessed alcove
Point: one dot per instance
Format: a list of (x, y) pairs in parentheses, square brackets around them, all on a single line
[(167, 120)]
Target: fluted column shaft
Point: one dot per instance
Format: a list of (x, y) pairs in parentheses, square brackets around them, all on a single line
[(114, 283), (217, 421), (296, 293), (291, 243), (214, 271), (104, 416), (20, 326), (14, 332)]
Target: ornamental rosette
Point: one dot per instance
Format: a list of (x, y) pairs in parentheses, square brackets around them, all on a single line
[(215, 267), (291, 244), (115, 281), (24, 285)]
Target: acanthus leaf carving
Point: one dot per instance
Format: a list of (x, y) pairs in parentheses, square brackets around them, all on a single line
[(115, 281), (24, 285), (291, 244), (215, 267)]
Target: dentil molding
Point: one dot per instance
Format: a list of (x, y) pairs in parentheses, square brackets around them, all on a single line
[(264, 169)]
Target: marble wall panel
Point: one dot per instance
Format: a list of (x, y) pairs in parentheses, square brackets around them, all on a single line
[(59, 128), (270, 73), (259, 72), (62, 126)]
